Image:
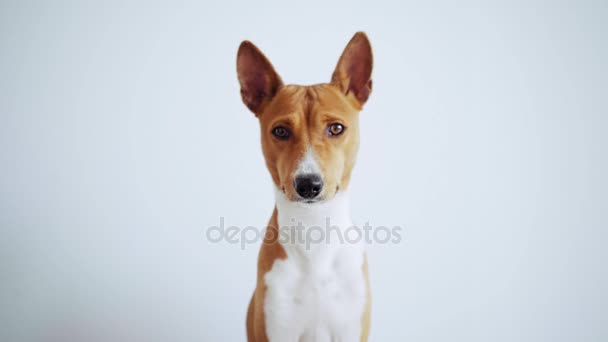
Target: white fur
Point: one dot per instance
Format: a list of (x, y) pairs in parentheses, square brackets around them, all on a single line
[(316, 293), (308, 164)]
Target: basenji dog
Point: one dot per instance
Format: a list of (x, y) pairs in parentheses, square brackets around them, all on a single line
[(310, 137)]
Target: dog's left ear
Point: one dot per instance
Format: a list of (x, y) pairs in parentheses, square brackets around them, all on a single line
[(353, 73)]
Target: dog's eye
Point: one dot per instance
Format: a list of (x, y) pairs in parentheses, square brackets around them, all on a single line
[(281, 133), (335, 129)]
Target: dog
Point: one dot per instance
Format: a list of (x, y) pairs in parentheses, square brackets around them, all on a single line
[(310, 138)]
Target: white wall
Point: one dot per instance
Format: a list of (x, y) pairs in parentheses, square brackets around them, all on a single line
[(123, 137)]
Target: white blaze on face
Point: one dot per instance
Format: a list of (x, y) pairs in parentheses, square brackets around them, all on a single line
[(308, 164)]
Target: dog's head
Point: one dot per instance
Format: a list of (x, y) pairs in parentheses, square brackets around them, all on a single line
[(310, 134)]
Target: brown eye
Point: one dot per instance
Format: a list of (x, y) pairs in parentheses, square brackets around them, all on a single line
[(335, 129), (281, 133)]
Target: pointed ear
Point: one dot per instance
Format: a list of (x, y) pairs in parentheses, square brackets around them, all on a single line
[(354, 70), (259, 82)]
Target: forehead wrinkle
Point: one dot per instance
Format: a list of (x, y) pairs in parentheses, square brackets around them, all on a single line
[(313, 115), (309, 100)]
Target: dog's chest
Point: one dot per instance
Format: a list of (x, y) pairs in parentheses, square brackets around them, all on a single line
[(316, 295)]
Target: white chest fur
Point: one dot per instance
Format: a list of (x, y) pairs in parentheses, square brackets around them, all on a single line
[(318, 292)]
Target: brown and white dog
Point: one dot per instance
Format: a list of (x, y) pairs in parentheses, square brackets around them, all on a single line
[(310, 138)]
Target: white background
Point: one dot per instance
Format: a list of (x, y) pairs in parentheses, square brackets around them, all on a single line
[(123, 138)]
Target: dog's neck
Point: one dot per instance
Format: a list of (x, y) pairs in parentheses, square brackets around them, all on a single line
[(331, 217)]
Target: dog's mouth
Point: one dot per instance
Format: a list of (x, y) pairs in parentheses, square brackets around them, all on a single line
[(310, 201), (306, 201)]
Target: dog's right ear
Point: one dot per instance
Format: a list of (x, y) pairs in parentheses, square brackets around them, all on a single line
[(259, 82)]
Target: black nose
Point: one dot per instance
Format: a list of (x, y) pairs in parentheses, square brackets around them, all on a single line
[(308, 186)]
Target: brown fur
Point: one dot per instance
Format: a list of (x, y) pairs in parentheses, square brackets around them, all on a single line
[(306, 111)]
